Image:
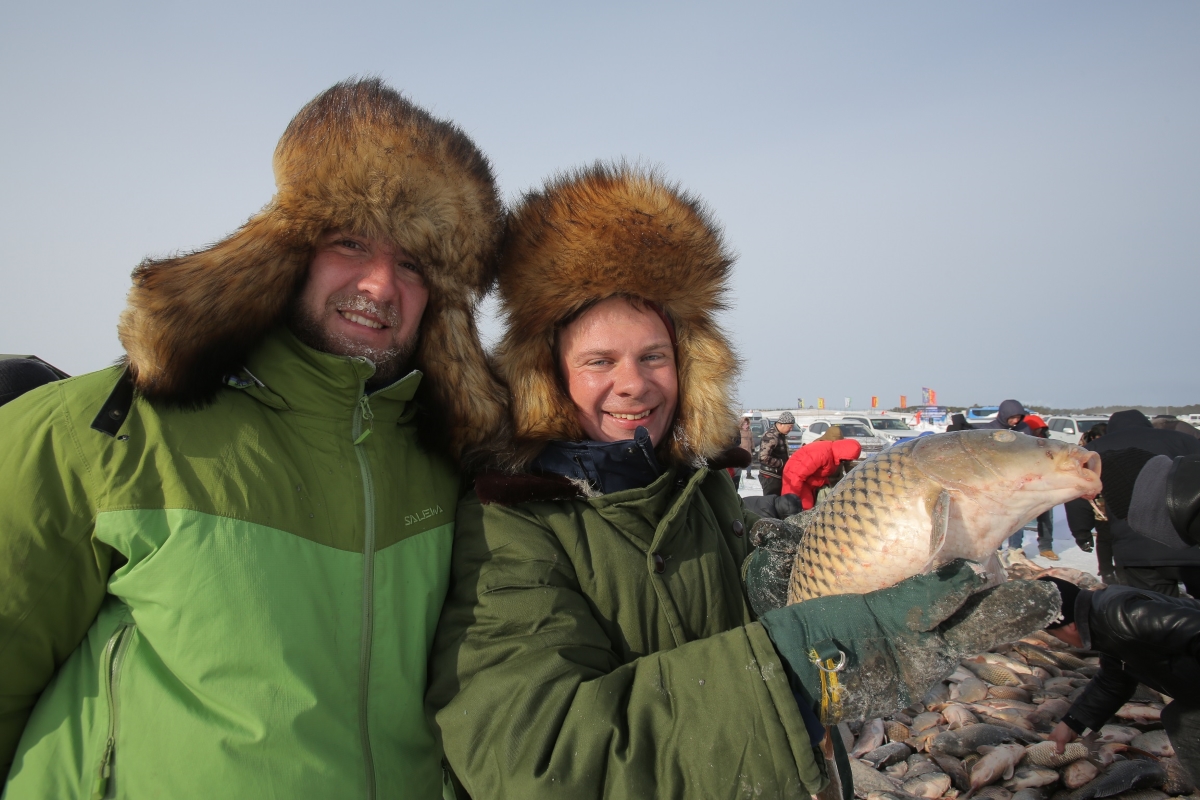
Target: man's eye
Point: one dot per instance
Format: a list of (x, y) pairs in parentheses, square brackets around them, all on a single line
[(350, 244)]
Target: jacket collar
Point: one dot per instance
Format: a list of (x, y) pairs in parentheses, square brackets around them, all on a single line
[(605, 467), (285, 373)]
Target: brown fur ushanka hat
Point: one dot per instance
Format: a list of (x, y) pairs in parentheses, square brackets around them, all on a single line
[(360, 157), (615, 230)]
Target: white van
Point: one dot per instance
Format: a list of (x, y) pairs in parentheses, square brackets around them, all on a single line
[(1069, 429)]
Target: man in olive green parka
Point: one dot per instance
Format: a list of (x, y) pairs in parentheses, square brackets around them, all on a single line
[(596, 641)]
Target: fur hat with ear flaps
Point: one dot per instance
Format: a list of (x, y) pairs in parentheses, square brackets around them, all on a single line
[(597, 233), (362, 158)]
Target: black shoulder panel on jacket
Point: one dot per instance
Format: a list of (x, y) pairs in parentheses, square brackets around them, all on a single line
[(116, 408)]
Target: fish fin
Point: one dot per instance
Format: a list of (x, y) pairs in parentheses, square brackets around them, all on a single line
[(941, 523), (939, 519)]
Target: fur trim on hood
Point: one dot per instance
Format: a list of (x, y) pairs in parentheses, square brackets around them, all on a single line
[(599, 232), (361, 157)]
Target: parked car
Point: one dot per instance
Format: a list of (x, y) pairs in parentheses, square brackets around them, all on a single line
[(1069, 429), (816, 428), (795, 438), (758, 426), (892, 430), (982, 414), (871, 444)]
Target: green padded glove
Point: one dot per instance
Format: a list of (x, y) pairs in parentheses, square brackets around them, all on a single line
[(862, 656), (767, 571)]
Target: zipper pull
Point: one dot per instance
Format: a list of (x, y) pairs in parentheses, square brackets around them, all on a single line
[(368, 416), (101, 787)]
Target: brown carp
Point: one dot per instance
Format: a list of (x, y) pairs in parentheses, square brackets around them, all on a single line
[(930, 500), (1121, 777), (1030, 777), (1000, 762), (1079, 773), (1156, 743), (1045, 754), (931, 785), (872, 736)]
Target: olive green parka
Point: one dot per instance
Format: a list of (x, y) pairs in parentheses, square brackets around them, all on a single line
[(603, 647), (600, 645)]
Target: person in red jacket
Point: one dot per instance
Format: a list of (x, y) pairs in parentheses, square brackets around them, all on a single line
[(811, 466)]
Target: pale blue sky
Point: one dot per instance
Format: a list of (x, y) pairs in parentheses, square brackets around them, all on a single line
[(992, 199)]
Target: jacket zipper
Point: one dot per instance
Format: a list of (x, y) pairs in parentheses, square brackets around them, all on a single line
[(114, 655), (362, 413)]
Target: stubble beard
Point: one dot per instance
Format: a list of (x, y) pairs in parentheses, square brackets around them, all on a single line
[(390, 362)]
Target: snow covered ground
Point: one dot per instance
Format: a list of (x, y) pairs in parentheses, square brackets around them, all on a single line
[(1068, 552)]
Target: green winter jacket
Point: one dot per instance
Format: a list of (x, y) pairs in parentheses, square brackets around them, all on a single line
[(191, 600), (604, 648)]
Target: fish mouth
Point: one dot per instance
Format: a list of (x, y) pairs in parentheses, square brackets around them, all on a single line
[(1087, 465)]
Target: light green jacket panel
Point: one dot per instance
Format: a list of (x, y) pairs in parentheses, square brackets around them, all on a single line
[(245, 639)]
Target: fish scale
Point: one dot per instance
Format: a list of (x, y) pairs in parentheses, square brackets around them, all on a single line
[(846, 517)]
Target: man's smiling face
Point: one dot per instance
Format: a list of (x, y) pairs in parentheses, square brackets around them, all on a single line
[(619, 366), (364, 297)]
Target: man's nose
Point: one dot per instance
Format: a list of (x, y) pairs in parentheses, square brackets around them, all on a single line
[(628, 378), (379, 278)]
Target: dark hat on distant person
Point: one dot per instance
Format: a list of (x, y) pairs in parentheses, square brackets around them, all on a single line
[(1069, 593)]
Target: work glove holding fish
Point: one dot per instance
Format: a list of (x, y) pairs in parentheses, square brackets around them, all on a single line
[(862, 656), (767, 571)]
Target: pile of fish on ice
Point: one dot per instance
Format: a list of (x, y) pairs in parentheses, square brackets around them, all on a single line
[(983, 732)]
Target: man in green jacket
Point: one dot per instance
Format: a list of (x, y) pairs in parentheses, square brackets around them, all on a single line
[(221, 562), (596, 641)]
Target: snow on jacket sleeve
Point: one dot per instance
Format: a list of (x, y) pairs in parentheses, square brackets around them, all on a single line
[(52, 573), (532, 698)]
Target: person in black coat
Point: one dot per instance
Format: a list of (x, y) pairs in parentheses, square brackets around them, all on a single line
[(1142, 637), (1139, 561)]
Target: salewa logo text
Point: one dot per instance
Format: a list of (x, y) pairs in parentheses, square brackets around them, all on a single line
[(420, 516)]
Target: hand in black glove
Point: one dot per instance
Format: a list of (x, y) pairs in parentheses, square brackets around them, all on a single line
[(767, 571), (870, 655), (1086, 545)]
